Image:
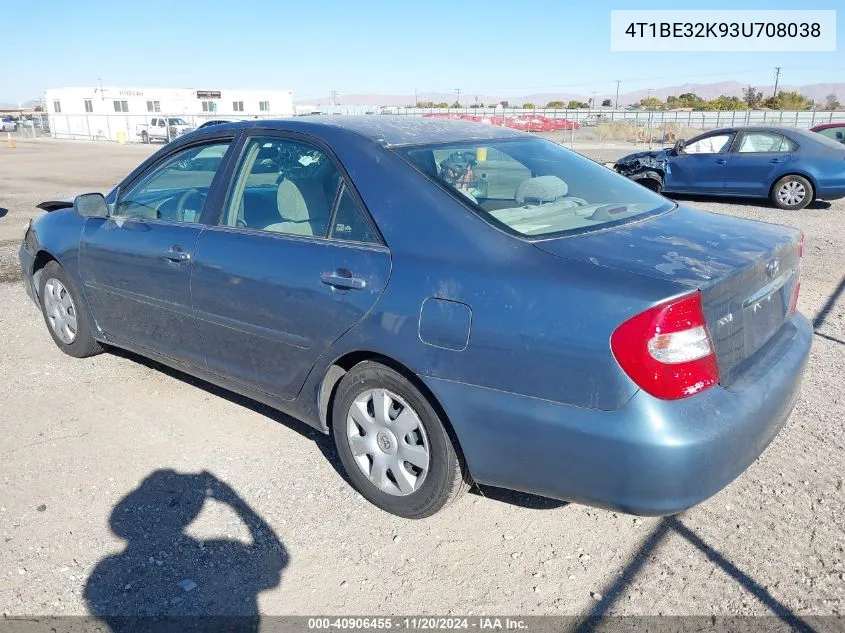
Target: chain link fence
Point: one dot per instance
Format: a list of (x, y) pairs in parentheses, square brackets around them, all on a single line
[(115, 127)]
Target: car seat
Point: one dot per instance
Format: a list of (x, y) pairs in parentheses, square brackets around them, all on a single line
[(543, 190), (298, 216)]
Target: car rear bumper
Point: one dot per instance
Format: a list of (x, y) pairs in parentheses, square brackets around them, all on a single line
[(831, 192), (651, 457)]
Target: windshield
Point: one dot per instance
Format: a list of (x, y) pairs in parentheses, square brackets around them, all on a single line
[(535, 187), (176, 121)]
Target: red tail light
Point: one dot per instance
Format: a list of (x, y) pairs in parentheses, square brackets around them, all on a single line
[(667, 350)]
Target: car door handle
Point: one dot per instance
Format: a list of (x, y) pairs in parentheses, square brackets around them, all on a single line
[(721, 161), (776, 160), (176, 254), (343, 279)]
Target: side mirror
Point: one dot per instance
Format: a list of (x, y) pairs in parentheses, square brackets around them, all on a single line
[(91, 205), (678, 147)]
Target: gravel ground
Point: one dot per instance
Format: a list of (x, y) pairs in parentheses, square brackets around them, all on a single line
[(104, 461)]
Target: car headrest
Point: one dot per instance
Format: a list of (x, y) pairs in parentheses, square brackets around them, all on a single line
[(541, 189)]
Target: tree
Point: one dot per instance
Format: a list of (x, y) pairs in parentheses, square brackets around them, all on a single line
[(606, 103), (552, 105), (650, 103), (504, 104), (528, 106), (753, 98), (442, 104), (724, 102), (456, 105), (787, 100), (685, 100), (574, 104), (831, 102)]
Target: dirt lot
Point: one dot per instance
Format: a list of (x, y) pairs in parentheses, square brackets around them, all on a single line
[(78, 436)]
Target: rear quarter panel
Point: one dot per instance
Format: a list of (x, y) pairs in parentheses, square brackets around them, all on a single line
[(540, 325)]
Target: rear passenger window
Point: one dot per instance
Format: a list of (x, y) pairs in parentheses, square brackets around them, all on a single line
[(350, 222), (283, 186), (765, 142)]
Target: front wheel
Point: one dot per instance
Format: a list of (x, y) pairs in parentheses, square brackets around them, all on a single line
[(792, 192), (65, 313), (393, 444)]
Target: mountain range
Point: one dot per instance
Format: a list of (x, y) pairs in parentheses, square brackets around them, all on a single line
[(817, 92)]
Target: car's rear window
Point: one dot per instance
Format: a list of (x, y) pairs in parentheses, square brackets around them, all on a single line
[(534, 187)]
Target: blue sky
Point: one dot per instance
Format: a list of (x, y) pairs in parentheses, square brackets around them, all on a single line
[(502, 48)]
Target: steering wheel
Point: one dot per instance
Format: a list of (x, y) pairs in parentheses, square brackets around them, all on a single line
[(183, 200)]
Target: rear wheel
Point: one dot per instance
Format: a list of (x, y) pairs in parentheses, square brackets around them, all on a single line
[(65, 313), (145, 138), (393, 444), (792, 192)]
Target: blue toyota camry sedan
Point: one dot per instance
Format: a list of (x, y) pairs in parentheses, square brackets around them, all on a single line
[(453, 302), (790, 167)]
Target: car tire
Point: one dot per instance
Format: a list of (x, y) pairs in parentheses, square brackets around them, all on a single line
[(410, 489), (145, 138), (651, 184), (792, 192), (66, 313)]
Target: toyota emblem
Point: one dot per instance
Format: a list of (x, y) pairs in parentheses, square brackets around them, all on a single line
[(772, 268)]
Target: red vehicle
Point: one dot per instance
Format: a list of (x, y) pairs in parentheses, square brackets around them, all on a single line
[(540, 123), (836, 131), (524, 122)]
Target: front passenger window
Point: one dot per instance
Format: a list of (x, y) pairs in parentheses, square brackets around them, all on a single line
[(709, 145), (176, 189)]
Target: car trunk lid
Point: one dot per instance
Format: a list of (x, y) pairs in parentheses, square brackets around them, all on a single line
[(747, 271)]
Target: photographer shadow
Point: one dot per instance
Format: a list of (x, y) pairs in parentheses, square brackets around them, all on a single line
[(166, 579)]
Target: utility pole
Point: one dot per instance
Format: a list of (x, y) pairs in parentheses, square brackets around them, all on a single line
[(458, 99), (616, 106), (777, 77), (334, 97), (416, 99)]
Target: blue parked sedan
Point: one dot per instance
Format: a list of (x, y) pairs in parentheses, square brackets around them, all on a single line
[(790, 167), (454, 302)]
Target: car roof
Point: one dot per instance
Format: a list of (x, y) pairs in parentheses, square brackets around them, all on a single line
[(827, 126), (388, 130), (779, 129)]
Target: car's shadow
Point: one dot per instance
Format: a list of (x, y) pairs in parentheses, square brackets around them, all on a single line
[(745, 202), (324, 442)]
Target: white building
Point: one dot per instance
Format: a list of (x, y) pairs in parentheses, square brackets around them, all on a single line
[(102, 112)]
